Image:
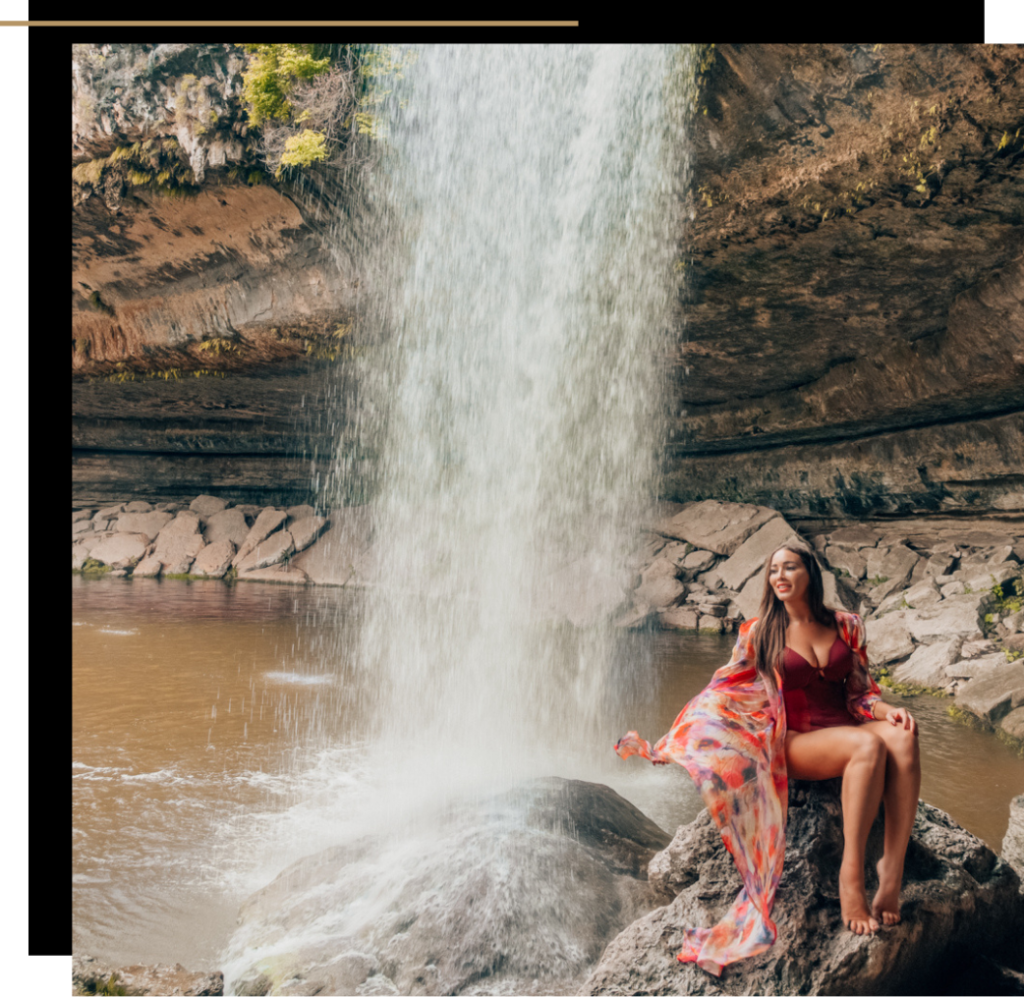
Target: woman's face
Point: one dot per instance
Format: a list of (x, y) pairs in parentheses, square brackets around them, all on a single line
[(788, 576)]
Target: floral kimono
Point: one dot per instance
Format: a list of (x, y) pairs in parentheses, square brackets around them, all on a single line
[(731, 739)]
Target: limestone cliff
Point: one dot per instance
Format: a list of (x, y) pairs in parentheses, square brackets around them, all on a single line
[(851, 330)]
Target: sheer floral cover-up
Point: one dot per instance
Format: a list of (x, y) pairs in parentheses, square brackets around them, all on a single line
[(731, 739)]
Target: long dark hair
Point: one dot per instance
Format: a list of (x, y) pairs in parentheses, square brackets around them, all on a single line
[(769, 638)]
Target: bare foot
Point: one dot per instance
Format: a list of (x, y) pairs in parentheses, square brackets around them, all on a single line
[(854, 906), (886, 905)]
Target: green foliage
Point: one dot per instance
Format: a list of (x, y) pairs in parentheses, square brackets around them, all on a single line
[(967, 589), (89, 173), (97, 302), (94, 567), (1005, 602), (878, 579), (1012, 655), (271, 76), (218, 346), (303, 149), (107, 987), (968, 719)]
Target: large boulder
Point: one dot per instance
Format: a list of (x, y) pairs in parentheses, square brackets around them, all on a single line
[(717, 526), (956, 615), (148, 523), (228, 524), (121, 550), (995, 687), (178, 543), (749, 558), (518, 893), (926, 667), (267, 522), (958, 896), (887, 637)]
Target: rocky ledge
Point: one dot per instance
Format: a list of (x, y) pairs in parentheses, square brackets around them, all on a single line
[(958, 898)]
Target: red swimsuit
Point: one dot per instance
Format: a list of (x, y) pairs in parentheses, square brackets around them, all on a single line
[(816, 697)]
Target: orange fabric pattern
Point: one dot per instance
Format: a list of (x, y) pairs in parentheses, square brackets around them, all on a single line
[(731, 739)]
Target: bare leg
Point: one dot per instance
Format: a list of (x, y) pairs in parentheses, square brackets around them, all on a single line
[(858, 755), (902, 788)]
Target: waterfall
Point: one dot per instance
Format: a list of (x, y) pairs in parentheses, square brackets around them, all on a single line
[(521, 280), (520, 409)]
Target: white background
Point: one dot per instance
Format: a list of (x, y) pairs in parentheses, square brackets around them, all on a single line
[(51, 975)]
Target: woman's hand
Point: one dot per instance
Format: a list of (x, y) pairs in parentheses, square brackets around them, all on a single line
[(900, 717)]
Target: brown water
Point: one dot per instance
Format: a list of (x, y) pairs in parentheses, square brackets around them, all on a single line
[(217, 737)]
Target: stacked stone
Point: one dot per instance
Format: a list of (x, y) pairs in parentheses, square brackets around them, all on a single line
[(206, 540)]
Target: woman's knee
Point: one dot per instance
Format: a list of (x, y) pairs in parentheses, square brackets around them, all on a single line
[(903, 747), (869, 749)]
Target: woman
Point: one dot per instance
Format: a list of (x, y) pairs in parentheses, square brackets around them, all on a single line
[(796, 698)]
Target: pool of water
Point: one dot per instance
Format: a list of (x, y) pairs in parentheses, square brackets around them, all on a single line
[(218, 735)]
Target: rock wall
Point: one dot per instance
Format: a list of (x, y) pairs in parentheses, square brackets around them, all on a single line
[(853, 307), (850, 339)]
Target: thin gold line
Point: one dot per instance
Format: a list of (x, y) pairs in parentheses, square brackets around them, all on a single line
[(289, 24)]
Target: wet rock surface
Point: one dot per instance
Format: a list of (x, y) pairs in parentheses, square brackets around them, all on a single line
[(519, 895), (89, 976), (958, 897)]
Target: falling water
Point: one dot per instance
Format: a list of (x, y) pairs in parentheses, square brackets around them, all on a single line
[(513, 399), (523, 411)]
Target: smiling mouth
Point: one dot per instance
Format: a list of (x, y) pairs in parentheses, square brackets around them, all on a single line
[(783, 588)]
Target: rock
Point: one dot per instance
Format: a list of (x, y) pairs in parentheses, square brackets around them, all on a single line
[(717, 526), (841, 559), (283, 574), (854, 537), (895, 564), (953, 588), (78, 515), (968, 668), (214, 559), (178, 543), (148, 567), (1013, 840), (228, 524), (959, 614), (148, 524), (659, 590), (976, 648), (997, 574), (993, 691), (836, 593), (88, 976), (138, 507), (305, 531), (926, 667), (120, 551), (1013, 723), (298, 512), (109, 512), (1014, 622), (250, 511), (697, 561), (888, 638), (166, 507), (1015, 642), (81, 526), (521, 891), (269, 551), (713, 623), (679, 618), (267, 521), (956, 893), (918, 596), (712, 609), (207, 505), (749, 598), (750, 557), (939, 564)]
